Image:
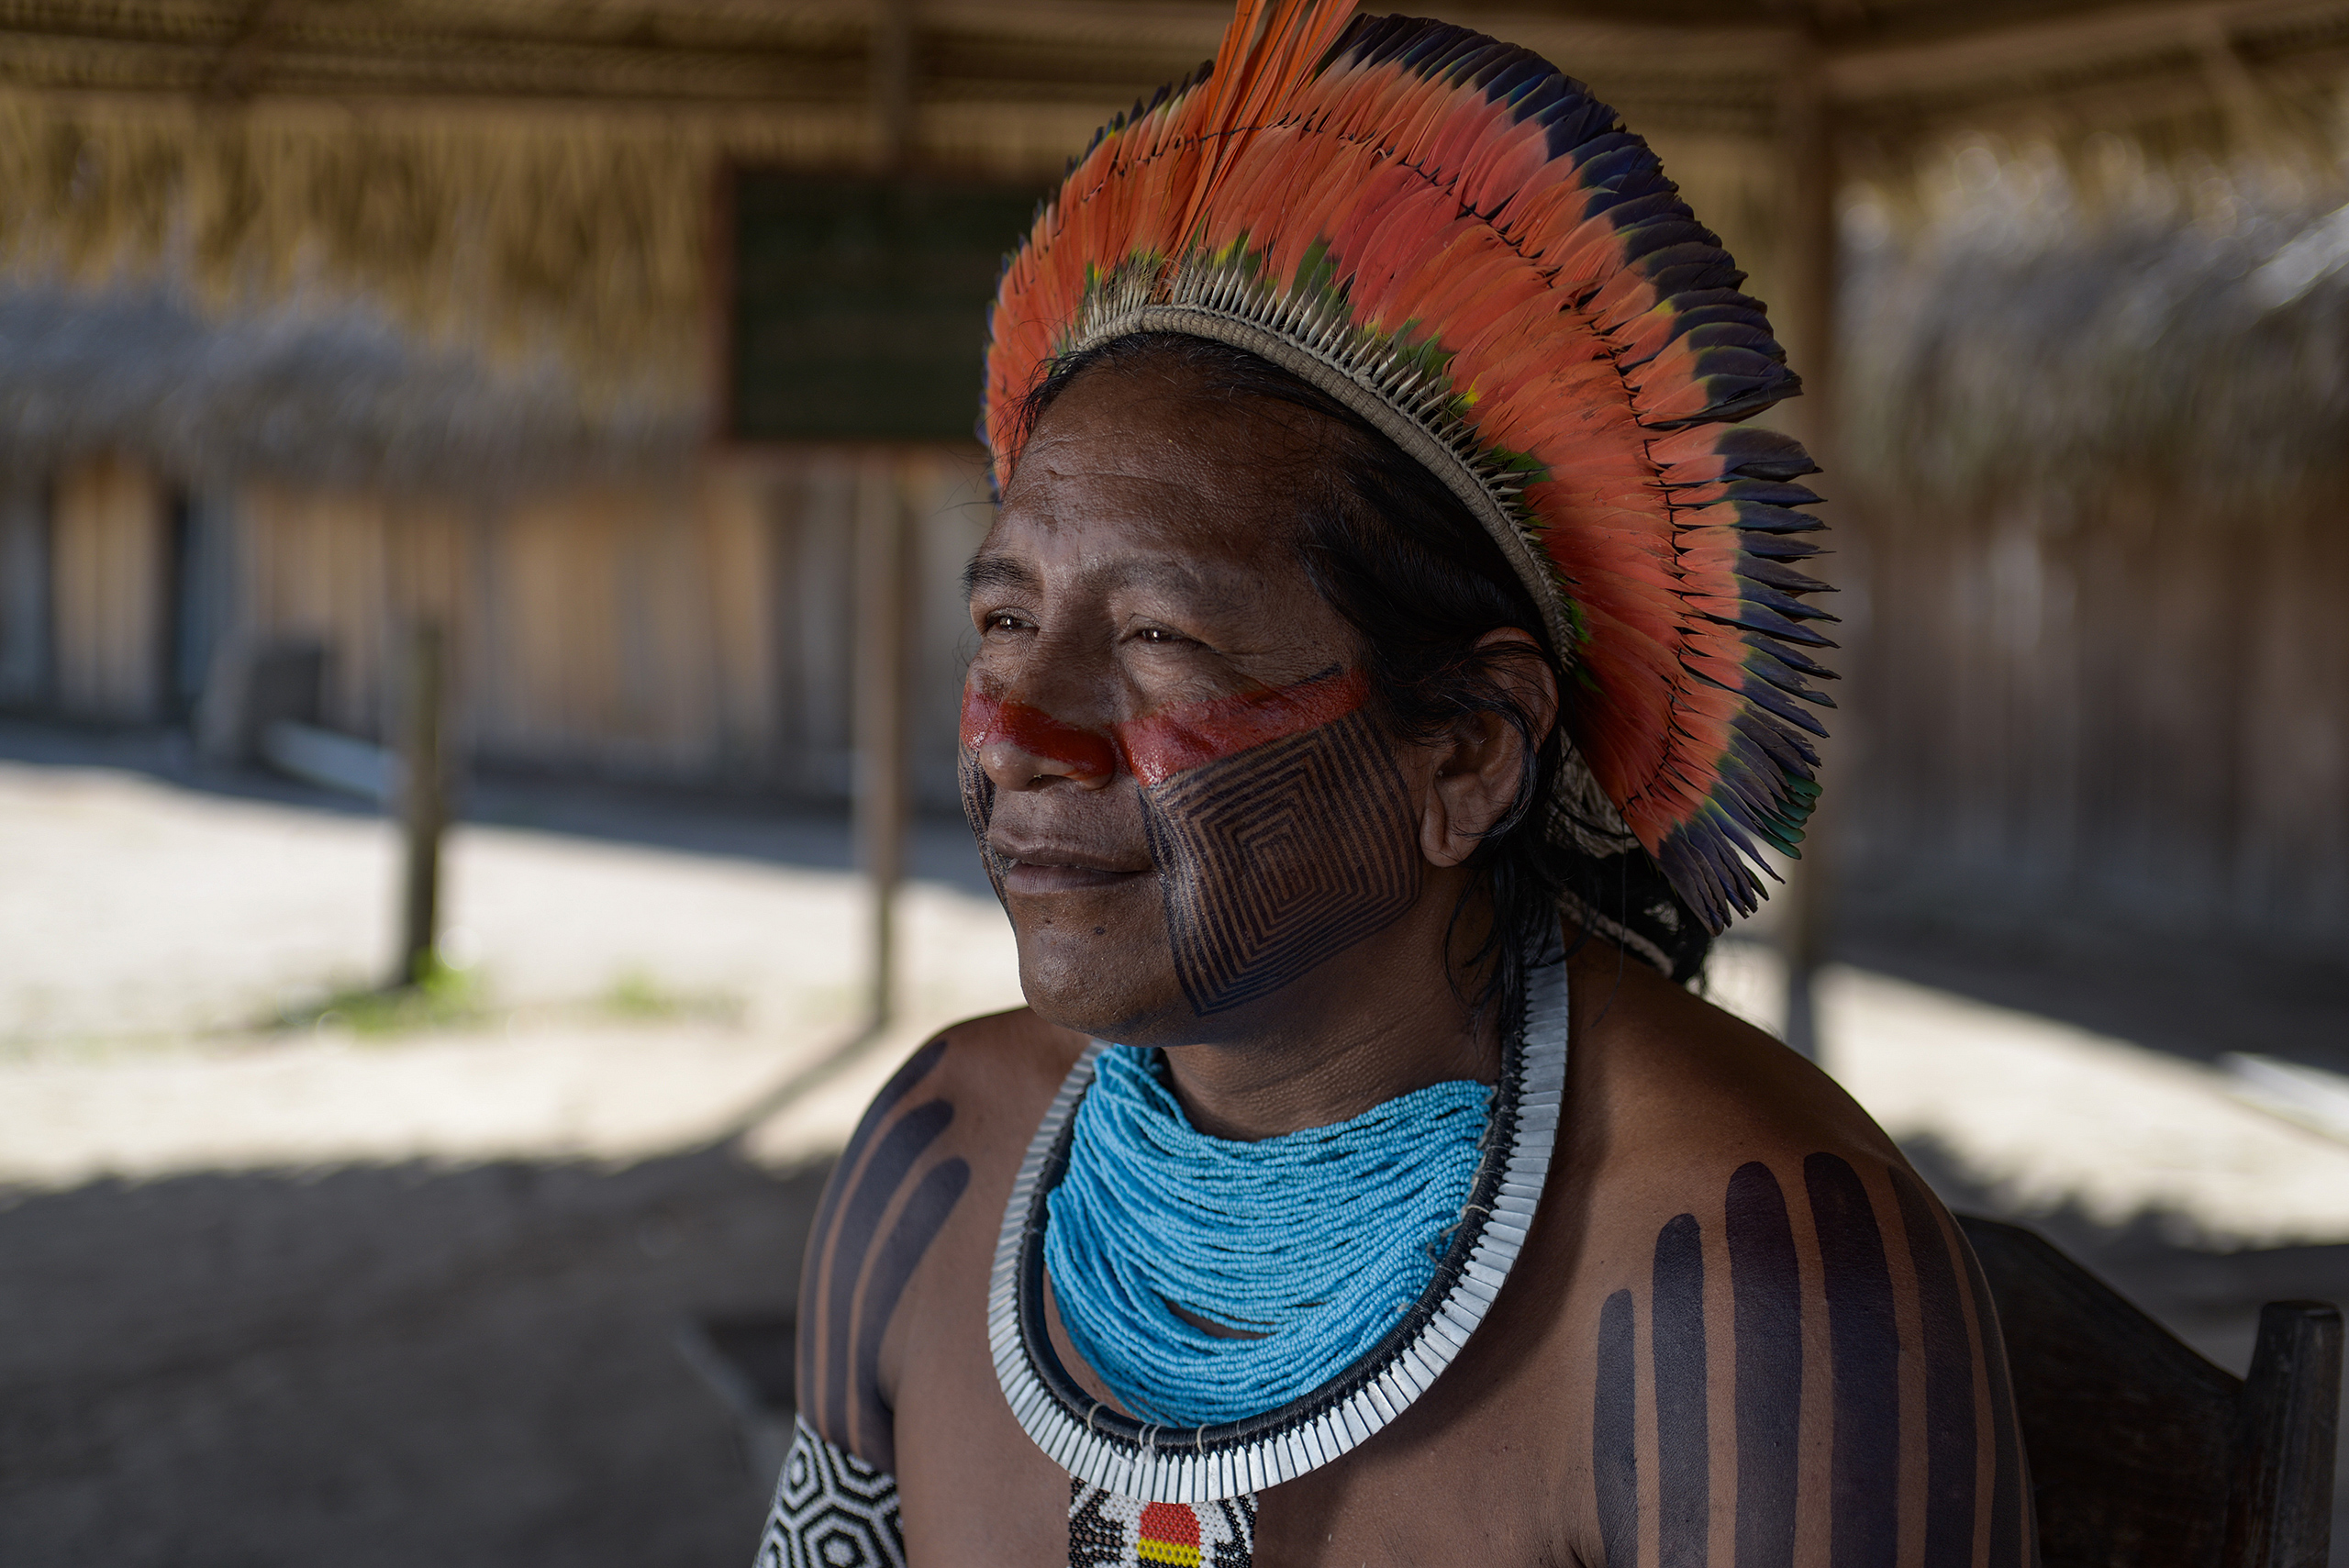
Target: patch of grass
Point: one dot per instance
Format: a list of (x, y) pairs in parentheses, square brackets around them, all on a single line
[(445, 998), (637, 995)]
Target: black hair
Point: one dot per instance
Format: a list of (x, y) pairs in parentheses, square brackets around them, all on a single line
[(1414, 572)]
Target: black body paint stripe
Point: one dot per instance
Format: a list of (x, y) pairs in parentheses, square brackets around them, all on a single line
[(1865, 1345), (1614, 1439), (918, 1223), (1950, 1436), (1676, 1344), (1768, 1290), (2008, 1527), (892, 1160), (813, 1273)]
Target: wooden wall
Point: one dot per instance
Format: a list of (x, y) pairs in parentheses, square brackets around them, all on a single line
[(108, 565), (695, 629), (2131, 710)]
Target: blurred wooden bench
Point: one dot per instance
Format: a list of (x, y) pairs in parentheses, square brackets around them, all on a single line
[(750, 1362), (2144, 1455)]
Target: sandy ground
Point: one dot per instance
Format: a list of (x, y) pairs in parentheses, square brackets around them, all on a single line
[(326, 1296)]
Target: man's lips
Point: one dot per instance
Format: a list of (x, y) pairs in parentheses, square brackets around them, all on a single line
[(1058, 868)]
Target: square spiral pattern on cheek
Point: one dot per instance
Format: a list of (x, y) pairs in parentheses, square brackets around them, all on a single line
[(1280, 856)]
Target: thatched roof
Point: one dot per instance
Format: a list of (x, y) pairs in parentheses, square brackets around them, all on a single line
[(2034, 336), (526, 183), (1896, 67), (343, 396)]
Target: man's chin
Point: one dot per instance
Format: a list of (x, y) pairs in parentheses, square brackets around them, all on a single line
[(1105, 995)]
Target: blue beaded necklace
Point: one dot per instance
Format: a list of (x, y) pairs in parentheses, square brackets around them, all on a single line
[(1305, 1250), (1135, 1461)]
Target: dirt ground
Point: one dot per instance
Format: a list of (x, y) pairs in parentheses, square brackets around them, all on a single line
[(325, 1297), (385, 1367)]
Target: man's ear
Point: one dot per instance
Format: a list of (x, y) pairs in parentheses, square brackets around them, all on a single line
[(1480, 767)]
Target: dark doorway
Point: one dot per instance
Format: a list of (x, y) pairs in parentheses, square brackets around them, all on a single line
[(25, 659), (196, 599)]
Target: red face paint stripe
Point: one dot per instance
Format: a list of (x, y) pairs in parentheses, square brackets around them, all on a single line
[(1085, 752), (1158, 746)]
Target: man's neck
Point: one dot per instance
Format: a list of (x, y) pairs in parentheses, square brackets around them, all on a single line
[(1379, 1021)]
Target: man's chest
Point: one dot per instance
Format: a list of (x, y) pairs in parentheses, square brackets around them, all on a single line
[(1482, 1469)]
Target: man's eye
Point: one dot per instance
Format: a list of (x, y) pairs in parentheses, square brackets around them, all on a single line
[(1004, 620), (1161, 635)]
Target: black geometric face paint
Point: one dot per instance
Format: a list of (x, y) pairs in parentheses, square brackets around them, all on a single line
[(1277, 818), (1279, 857)]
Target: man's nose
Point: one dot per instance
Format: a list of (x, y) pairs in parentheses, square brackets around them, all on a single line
[(1021, 745)]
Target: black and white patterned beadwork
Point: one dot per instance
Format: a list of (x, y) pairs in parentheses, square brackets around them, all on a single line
[(1155, 1463), (1106, 1530), (831, 1510)]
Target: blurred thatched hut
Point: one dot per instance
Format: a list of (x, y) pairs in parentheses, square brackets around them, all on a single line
[(2097, 441)]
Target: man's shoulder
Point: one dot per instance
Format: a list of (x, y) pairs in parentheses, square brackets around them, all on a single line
[(1672, 1094), (1736, 1267), (1692, 1137), (1000, 1071), (917, 1190), (974, 1091)]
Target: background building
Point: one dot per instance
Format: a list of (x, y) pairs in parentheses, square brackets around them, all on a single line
[(601, 337), (636, 345)]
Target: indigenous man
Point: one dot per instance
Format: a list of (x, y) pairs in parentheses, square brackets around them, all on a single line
[(1388, 666)]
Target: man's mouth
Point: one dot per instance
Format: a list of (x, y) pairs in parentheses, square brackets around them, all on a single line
[(1051, 868)]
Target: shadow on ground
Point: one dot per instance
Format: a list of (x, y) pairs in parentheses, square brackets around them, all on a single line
[(2191, 1000), (377, 1366), (744, 824)]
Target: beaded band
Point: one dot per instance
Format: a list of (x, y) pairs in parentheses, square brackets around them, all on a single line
[(1197, 1464)]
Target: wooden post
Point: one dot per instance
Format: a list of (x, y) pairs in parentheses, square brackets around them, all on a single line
[(2288, 1422), (893, 83), (1809, 137), (880, 718), (880, 678), (424, 807)]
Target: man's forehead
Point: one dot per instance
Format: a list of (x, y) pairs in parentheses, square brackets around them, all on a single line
[(1156, 425), (1022, 559), (1156, 519)]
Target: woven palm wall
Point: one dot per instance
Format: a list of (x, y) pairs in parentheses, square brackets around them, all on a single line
[(2095, 447)]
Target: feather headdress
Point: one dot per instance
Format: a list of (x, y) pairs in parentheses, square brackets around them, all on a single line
[(1464, 247)]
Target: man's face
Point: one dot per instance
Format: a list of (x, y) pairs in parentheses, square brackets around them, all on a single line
[(1183, 797)]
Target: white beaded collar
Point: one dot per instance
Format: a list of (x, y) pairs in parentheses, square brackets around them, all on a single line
[(1231, 1458)]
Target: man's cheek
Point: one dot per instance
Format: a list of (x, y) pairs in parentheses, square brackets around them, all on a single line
[(978, 809), (1277, 858), (1157, 746)]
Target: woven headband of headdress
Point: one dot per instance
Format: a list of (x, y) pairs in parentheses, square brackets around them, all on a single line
[(1464, 247)]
